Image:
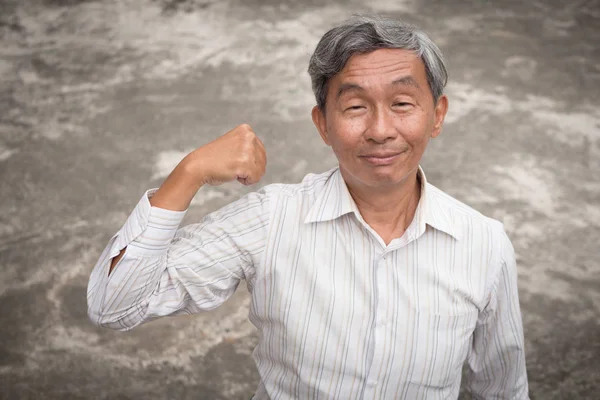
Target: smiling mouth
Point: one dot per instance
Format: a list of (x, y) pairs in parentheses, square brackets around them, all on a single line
[(381, 159)]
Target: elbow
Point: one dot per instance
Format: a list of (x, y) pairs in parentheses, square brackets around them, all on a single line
[(111, 320), (121, 316)]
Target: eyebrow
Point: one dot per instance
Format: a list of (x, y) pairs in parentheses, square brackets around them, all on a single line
[(406, 81), (348, 87), (403, 81)]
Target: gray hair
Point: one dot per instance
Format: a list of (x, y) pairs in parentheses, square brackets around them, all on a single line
[(364, 34)]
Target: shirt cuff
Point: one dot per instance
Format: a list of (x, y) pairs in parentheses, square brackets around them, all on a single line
[(149, 230)]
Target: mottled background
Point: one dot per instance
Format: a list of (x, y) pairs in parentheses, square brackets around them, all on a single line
[(100, 99)]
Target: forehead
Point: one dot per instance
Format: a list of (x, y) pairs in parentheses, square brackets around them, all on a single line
[(382, 65)]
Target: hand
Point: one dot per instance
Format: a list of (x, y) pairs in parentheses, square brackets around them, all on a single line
[(237, 155)]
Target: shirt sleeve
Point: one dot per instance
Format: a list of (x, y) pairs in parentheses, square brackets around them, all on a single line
[(167, 270), (496, 362)]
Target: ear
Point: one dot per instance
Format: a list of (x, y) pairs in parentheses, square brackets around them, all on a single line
[(320, 123), (441, 108)]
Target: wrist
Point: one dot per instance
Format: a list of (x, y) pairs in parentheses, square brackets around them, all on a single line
[(178, 190), (194, 168)]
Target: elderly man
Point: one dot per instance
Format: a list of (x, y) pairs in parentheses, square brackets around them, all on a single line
[(367, 282)]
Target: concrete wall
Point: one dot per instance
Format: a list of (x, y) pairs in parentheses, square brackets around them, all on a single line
[(100, 99)]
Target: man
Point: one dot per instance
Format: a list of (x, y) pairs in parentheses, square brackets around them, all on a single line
[(367, 282)]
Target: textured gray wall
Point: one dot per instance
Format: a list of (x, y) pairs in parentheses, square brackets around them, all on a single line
[(100, 99)]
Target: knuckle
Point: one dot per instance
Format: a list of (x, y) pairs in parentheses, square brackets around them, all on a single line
[(243, 158), (245, 127), (251, 137), (246, 139)]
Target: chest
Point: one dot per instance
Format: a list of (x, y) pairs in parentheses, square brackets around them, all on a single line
[(331, 301), (339, 263)]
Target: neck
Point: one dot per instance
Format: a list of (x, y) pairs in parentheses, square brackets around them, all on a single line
[(389, 211)]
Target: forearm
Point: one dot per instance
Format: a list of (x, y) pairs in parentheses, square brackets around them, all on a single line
[(143, 240), (180, 187), (175, 194)]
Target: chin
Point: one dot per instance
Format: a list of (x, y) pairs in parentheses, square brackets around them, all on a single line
[(376, 177), (381, 178)]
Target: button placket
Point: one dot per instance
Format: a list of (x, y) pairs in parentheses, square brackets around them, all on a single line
[(381, 276)]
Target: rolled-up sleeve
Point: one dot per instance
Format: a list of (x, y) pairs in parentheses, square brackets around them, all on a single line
[(497, 358), (167, 270)]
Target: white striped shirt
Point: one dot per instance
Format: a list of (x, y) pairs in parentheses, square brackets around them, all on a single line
[(340, 315)]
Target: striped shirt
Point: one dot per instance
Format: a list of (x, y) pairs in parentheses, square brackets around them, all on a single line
[(340, 314)]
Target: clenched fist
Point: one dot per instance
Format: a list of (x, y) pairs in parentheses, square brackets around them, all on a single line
[(239, 154)]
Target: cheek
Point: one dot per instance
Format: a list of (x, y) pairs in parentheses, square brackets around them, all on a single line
[(345, 134), (415, 129)]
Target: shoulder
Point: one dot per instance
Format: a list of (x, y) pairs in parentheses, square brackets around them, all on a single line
[(464, 218), (480, 235), (310, 186), (267, 199)]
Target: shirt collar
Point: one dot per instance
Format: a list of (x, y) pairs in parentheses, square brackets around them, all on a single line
[(335, 200)]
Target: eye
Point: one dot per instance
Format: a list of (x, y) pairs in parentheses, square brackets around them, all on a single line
[(354, 108), (402, 104)]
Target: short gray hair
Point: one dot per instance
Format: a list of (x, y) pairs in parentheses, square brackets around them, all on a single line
[(364, 34)]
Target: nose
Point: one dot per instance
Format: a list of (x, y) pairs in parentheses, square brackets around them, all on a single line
[(381, 127)]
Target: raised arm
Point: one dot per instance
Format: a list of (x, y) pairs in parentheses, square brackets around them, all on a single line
[(151, 269), (497, 358), (239, 154)]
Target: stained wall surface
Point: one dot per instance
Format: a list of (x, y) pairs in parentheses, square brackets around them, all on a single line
[(100, 99)]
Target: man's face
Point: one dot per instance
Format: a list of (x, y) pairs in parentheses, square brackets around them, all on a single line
[(379, 116)]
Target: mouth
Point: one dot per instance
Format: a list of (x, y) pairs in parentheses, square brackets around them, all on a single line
[(380, 158)]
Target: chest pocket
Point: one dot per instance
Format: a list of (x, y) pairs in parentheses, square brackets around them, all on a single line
[(441, 345)]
